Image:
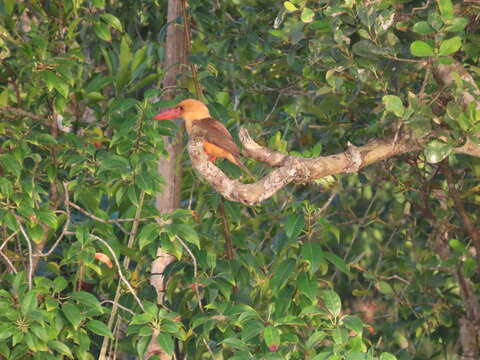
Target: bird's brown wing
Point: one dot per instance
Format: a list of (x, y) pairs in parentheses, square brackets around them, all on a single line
[(217, 134)]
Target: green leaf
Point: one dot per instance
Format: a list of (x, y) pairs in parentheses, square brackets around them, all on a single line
[(9, 5), (332, 302), (235, 343), (337, 261), (148, 234), (312, 252), (53, 81), (102, 31), (446, 9), (60, 348), (4, 97), (307, 15), (394, 104), (436, 150), (271, 336), (123, 76), (99, 328), (458, 24), (6, 188), (314, 339), (289, 6), (89, 300), (450, 46), (29, 303), (113, 21), (185, 232), (166, 343), (385, 288), (281, 274), (421, 48), (354, 323), (423, 28), (307, 286), (72, 314), (294, 225)]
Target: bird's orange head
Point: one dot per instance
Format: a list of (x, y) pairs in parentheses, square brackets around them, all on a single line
[(188, 109)]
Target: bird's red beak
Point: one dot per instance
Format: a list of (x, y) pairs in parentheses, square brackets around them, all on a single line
[(168, 114)]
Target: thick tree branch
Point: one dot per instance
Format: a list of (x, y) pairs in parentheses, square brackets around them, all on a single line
[(295, 169)]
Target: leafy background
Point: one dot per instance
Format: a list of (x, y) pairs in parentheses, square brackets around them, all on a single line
[(369, 265)]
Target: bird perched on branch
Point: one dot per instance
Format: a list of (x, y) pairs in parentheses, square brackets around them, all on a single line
[(217, 141)]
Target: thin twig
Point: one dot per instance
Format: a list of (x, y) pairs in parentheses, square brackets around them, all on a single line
[(105, 221), (209, 348), (21, 113), (120, 273), (118, 305), (65, 227), (7, 240), (195, 271), (30, 257), (9, 263)]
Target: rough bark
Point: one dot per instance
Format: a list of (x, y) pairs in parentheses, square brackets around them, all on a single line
[(170, 167), (297, 169)]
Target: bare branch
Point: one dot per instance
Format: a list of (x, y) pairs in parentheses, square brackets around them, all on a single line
[(8, 110), (119, 270), (30, 251), (300, 170)]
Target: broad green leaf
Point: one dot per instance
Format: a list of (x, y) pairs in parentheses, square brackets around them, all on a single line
[(289, 6), (87, 299), (385, 288), (6, 187), (148, 234), (39, 331), (9, 5), (53, 81), (102, 31), (99, 328), (446, 9), (339, 263), (450, 46), (113, 21), (185, 232), (235, 343), (312, 252), (423, 28), (282, 274), (436, 150), (332, 302), (307, 286), (315, 338), (294, 225), (123, 76), (61, 348), (420, 48), (4, 97), (394, 104), (457, 24), (166, 343), (72, 314), (307, 15), (29, 303), (271, 335), (354, 323)]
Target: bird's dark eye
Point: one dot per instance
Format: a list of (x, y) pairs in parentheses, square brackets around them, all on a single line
[(180, 107)]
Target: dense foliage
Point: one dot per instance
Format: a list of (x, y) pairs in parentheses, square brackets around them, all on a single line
[(361, 266)]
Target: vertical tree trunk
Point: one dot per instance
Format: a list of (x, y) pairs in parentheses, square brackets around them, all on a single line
[(170, 167)]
